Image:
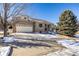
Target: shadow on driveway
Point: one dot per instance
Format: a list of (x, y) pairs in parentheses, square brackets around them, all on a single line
[(25, 44)]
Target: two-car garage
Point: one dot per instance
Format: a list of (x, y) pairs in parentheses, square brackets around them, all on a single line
[(24, 28)]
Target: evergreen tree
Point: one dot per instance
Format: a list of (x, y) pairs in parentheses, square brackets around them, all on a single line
[(67, 23)]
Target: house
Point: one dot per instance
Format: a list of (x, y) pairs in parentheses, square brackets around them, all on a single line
[(25, 24)]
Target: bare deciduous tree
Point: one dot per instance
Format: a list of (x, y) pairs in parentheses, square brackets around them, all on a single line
[(8, 11)]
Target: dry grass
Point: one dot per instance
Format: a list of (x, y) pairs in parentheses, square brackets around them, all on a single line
[(36, 50), (77, 32)]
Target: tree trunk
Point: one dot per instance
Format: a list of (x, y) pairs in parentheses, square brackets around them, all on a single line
[(5, 19), (5, 30)]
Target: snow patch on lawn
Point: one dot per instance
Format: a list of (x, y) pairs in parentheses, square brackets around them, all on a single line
[(33, 35), (72, 48), (76, 35), (9, 39), (48, 36), (66, 42), (4, 51)]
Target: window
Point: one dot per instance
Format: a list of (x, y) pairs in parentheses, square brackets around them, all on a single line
[(24, 17), (40, 25), (52, 29), (10, 27), (45, 29), (40, 32), (45, 25), (48, 25)]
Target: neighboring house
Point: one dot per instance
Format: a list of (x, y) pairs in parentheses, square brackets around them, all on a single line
[(27, 24)]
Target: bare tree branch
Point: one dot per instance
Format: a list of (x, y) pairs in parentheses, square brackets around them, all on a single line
[(16, 10), (9, 10)]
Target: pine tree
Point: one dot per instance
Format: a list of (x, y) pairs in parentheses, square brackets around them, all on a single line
[(67, 23)]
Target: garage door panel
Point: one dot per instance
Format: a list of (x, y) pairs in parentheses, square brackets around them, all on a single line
[(24, 29)]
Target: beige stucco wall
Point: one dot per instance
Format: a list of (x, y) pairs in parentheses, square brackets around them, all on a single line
[(38, 29), (42, 29)]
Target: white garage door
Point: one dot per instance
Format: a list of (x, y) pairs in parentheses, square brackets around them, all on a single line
[(24, 29)]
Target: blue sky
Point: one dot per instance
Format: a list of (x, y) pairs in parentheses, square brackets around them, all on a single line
[(50, 11)]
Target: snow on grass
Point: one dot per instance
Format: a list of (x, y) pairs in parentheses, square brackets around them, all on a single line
[(71, 45), (4, 51), (33, 35), (72, 48), (66, 42), (9, 39), (76, 35)]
